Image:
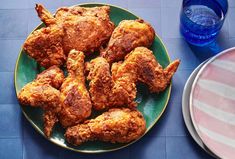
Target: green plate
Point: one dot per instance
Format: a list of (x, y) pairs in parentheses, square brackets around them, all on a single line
[(151, 105)]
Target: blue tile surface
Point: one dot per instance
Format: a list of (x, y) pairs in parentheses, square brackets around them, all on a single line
[(171, 3), (178, 83), (13, 24), (11, 148), (144, 4), (124, 153), (168, 139), (9, 53), (231, 22), (184, 147), (149, 148), (13, 4), (38, 148), (174, 120), (120, 3), (170, 22), (178, 48), (28, 131), (46, 3), (10, 121), (231, 3), (7, 93)]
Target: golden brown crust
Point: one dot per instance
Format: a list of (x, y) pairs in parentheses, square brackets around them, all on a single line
[(42, 93), (145, 67), (128, 35), (83, 29), (104, 91), (87, 33), (49, 118), (53, 76), (86, 29), (76, 103), (119, 89), (46, 17), (116, 125), (45, 46)]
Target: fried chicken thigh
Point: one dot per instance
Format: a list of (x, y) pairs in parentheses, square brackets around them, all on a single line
[(119, 89), (76, 103), (115, 126), (80, 28), (43, 92), (128, 35)]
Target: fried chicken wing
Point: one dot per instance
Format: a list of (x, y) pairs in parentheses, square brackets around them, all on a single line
[(42, 92), (115, 126), (119, 89), (76, 103), (141, 65), (128, 35), (80, 28)]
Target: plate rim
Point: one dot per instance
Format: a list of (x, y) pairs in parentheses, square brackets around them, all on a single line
[(187, 88), (193, 87), (93, 151)]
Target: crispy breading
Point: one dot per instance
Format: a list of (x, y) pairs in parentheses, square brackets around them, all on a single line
[(128, 35), (85, 29), (119, 89), (42, 92), (142, 65), (116, 126), (45, 46), (80, 28), (76, 102)]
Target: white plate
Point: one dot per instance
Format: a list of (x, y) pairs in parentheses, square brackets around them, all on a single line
[(212, 104), (186, 113)]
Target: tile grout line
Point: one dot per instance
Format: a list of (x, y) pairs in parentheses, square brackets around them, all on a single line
[(165, 148)]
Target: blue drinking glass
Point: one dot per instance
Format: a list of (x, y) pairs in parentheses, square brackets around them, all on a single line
[(201, 20)]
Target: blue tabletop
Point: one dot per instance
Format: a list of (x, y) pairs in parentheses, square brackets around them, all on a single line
[(168, 139)]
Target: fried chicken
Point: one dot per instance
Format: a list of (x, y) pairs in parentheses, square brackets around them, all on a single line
[(141, 65), (85, 29), (80, 28), (42, 92), (76, 103), (115, 126), (119, 89), (128, 35)]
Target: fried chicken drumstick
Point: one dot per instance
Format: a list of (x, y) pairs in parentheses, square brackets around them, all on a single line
[(119, 89), (115, 126), (128, 35), (80, 28), (76, 102), (43, 92)]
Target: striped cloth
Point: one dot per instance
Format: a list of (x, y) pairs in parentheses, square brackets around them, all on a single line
[(213, 105)]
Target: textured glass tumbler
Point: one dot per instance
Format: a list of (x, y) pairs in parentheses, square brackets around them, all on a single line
[(201, 20)]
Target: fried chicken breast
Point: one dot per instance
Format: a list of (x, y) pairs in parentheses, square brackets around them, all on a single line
[(128, 35), (76, 102), (116, 126), (80, 28), (85, 29), (119, 89), (43, 92)]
